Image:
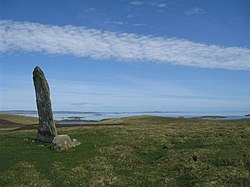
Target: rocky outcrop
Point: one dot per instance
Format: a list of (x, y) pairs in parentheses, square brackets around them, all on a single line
[(46, 130)]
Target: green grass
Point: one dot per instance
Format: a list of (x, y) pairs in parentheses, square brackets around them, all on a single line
[(146, 151), (19, 119)]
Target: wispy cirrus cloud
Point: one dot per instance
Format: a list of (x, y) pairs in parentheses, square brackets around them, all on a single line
[(115, 22), (194, 11), (136, 3), (139, 24), (162, 5), (99, 44), (159, 4)]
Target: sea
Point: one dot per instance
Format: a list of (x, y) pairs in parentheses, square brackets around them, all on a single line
[(78, 115)]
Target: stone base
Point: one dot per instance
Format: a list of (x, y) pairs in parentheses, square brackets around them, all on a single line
[(63, 142), (45, 138)]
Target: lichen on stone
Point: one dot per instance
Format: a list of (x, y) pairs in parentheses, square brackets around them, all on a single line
[(46, 130)]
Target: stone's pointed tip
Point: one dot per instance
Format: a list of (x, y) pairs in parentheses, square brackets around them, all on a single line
[(37, 70)]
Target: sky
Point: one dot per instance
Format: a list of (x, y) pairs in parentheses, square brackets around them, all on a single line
[(127, 55)]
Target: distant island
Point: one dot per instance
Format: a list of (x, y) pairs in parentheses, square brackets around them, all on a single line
[(247, 115), (210, 117)]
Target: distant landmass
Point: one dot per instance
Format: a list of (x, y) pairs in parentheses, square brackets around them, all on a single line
[(79, 112), (35, 112), (204, 117), (69, 115)]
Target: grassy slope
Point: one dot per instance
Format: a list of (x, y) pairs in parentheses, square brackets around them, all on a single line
[(19, 119), (147, 151)]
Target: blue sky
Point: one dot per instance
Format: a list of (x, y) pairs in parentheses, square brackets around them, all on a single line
[(110, 55)]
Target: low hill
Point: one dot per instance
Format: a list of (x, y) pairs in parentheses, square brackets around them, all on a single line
[(145, 151)]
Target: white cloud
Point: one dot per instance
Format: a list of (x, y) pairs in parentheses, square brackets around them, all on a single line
[(129, 16), (115, 22), (136, 3), (82, 42), (139, 24), (158, 5), (194, 11), (161, 5)]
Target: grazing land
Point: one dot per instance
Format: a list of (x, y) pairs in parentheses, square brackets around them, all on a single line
[(132, 151)]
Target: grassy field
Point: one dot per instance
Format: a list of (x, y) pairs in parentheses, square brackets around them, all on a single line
[(19, 119), (145, 151)]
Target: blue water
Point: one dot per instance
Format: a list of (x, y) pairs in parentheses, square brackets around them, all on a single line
[(106, 115)]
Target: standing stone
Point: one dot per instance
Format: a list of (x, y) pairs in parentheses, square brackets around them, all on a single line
[(46, 129)]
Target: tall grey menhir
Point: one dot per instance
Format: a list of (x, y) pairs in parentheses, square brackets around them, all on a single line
[(46, 130)]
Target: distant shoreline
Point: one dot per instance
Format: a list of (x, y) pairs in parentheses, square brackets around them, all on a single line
[(232, 113), (72, 116)]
